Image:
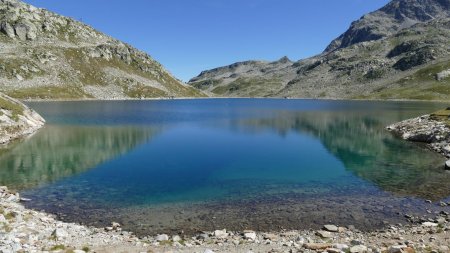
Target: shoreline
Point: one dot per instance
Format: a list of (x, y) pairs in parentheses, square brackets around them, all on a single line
[(214, 98), (34, 231)]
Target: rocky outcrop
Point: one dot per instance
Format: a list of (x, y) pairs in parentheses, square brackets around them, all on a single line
[(388, 60), (48, 56), (17, 120), (425, 129)]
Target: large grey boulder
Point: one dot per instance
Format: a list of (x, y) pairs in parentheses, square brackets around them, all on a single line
[(7, 29), (25, 31)]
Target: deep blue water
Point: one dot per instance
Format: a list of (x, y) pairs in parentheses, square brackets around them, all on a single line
[(137, 154)]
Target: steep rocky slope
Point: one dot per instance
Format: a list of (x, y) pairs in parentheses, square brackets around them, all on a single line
[(390, 19), (48, 56), (409, 61), (17, 120)]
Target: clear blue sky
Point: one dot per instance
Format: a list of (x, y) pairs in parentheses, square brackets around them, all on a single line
[(188, 36)]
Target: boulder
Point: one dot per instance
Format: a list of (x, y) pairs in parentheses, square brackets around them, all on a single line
[(7, 29), (25, 31)]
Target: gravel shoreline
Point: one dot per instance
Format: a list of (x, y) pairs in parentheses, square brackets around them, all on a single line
[(24, 230)]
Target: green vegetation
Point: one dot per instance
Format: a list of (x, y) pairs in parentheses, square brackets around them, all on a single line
[(58, 247), (86, 249), (16, 109), (91, 72), (442, 115), (10, 216), (421, 85), (12, 67), (251, 87), (49, 92), (203, 85), (141, 91)]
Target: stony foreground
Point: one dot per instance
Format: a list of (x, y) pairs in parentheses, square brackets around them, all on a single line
[(23, 230)]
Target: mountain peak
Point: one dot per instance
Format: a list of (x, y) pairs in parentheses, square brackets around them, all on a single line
[(393, 17)]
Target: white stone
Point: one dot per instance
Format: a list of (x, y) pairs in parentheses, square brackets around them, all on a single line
[(162, 237), (221, 233), (250, 235), (429, 224), (447, 165), (60, 233), (340, 246), (358, 249), (208, 251), (176, 238), (324, 234)]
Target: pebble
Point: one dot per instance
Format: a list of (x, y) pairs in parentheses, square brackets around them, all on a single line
[(331, 228), (358, 249), (324, 234), (317, 246)]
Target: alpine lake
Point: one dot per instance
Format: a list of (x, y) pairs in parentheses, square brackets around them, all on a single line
[(172, 166)]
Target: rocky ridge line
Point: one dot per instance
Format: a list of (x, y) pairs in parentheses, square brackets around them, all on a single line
[(403, 61)]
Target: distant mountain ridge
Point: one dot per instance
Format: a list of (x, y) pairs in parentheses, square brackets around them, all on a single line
[(48, 56), (401, 51), (395, 16)]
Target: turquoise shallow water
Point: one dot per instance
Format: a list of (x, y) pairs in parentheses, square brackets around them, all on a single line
[(141, 161)]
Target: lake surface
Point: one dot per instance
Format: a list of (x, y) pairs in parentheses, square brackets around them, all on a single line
[(194, 165)]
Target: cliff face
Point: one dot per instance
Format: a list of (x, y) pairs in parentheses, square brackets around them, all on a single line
[(17, 120), (398, 52), (48, 56)]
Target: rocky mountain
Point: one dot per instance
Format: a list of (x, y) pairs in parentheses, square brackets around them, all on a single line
[(47, 56), (401, 51), (390, 19), (17, 120)]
